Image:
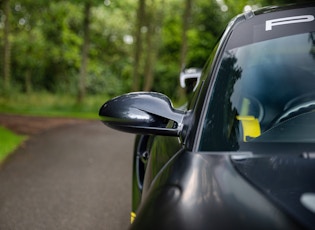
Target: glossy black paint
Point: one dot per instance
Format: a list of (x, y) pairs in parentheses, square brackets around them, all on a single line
[(285, 179), (142, 112), (205, 191)]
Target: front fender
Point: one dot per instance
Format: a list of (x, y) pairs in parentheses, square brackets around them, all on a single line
[(204, 191)]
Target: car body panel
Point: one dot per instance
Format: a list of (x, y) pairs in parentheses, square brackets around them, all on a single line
[(201, 190), (284, 180)]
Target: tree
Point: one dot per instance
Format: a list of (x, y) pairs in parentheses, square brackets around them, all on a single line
[(154, 19), (110, 47), (186, 23), (208, 22), (6, 45), (85, 50), (138, 45), (185, 26), (150, 49), (61, 27), (28, 42)]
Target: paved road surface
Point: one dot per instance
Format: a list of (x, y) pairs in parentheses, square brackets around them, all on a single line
[(71, 177)]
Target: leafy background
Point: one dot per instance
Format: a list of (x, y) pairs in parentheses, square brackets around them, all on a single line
[(46, 40)]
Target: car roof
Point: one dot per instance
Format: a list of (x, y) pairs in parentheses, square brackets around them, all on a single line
[(270, 22)]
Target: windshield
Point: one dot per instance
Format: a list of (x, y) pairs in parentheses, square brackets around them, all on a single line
[(264, 92)]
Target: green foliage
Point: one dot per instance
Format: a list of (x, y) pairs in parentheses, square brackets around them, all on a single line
[(9, 142), (63, 43), (103, 81), (46, 47), (47, 36), (110, 56), (209, 25)]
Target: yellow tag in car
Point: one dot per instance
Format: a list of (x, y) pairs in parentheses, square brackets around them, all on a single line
[(250, 125)]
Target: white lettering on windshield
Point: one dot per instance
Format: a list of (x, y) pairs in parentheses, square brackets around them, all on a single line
[(288, 20)]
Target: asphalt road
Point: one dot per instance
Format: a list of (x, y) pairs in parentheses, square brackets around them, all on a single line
[(70, 177)]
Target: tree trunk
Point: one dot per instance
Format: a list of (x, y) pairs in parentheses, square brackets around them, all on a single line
[(186, 21), (154, 19), (150, 50), (28, 81), (138, 45), (85, 51), (6, 47)]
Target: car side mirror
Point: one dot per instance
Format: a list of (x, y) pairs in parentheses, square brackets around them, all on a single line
[(189, 79), (142, 113)]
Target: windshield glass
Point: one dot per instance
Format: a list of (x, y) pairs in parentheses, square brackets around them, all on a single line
[(264, 92)]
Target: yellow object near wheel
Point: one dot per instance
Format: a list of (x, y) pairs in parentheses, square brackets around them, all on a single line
[(132, 217)]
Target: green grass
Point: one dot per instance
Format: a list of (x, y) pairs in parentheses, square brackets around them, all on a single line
[(9, 141), (45, 104)]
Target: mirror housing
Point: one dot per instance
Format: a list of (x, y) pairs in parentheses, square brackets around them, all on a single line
[(189, 79), (142, 113)]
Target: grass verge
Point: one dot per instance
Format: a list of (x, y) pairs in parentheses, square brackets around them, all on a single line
[(51, 105), (9, 141), (46, 105)]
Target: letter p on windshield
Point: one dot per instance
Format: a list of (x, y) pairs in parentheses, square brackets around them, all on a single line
[(288, 20)]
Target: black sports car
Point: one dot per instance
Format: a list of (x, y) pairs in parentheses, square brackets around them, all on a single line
[(242, 155)]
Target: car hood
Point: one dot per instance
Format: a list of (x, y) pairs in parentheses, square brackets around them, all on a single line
[(287, 180), (225, 190)]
